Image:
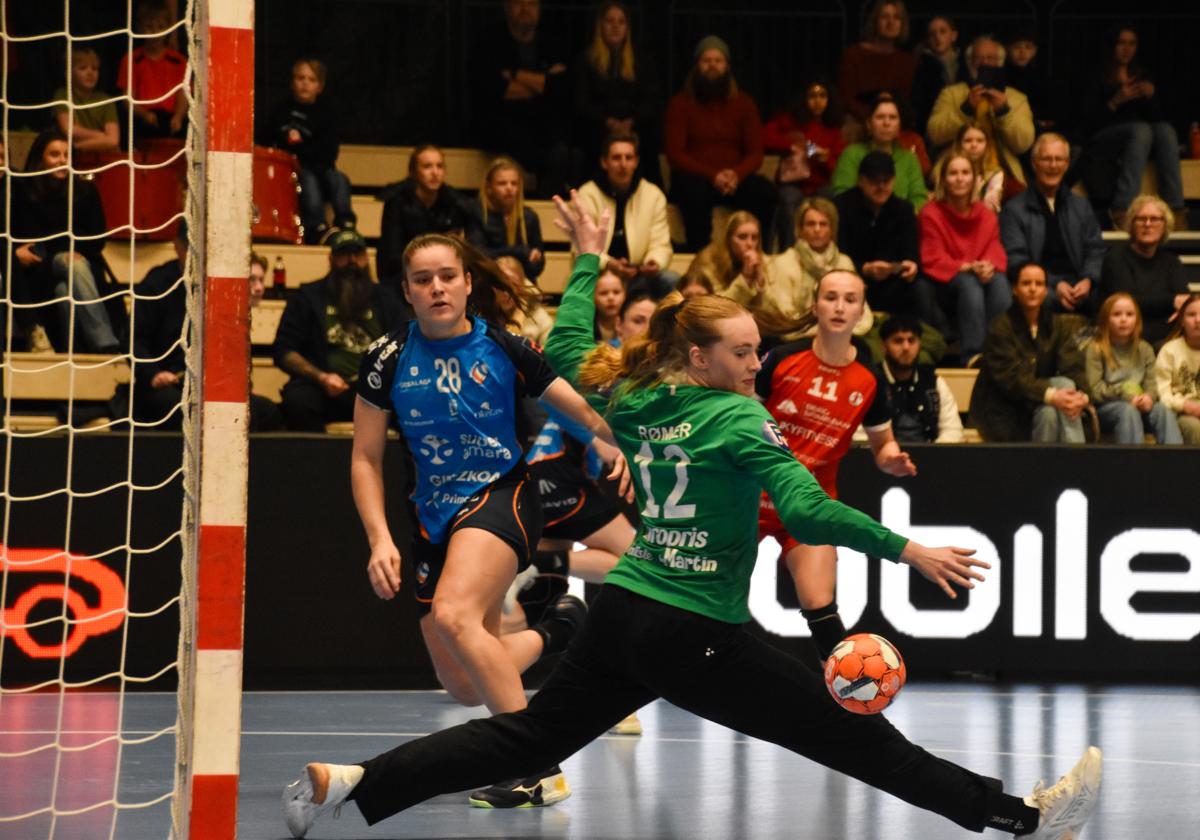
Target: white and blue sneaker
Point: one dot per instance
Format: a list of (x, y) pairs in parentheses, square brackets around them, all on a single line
[(322, 788), (1066, 806)]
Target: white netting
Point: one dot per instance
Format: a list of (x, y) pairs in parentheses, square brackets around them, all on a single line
[(97, 539)]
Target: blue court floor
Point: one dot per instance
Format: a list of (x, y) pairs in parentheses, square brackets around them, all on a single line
[(684, 778)]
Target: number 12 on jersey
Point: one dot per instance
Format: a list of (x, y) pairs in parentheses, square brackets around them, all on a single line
[(671, 509)]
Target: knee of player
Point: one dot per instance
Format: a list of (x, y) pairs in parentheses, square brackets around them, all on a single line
[(452, 620)]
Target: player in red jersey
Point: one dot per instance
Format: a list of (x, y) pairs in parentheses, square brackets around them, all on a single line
[(819, 390)]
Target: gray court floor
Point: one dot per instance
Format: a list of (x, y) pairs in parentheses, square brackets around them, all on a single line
[(684, 778)]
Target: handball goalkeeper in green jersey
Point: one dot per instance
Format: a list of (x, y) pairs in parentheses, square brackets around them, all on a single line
[(670, 619)]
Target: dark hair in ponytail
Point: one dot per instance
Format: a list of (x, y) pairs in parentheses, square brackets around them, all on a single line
[(487, 278)]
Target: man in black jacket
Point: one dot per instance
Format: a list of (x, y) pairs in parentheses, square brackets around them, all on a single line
[(877, 229), (325, 329), (521, 95), (923, 406), (160, 364)]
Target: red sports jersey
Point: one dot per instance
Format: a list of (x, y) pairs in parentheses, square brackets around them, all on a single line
[(818, 406), (153, 77)]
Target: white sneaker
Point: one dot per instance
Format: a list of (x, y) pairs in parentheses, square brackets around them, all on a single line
[(331, 783), (629, 726), (1066, 806)]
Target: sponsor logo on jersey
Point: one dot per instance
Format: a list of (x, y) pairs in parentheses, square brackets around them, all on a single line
[(676, 537), (483, 446), (787, 407), (466, 476), (414, 413), (856, 398), (414, 370), (434, 448), (672, 559), (479, 372), (772, 434), (546, 487), (377, 367), (375, 380), (486, 410), (665, 432)]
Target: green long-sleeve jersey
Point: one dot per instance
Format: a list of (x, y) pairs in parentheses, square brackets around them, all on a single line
[(700, 459)]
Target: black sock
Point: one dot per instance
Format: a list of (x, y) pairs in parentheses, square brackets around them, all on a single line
[(1010, 813), (553, 562), (556, 634), (827, 628)]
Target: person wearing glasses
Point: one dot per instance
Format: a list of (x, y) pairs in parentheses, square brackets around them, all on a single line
[(1057, 229), (1151, 274)]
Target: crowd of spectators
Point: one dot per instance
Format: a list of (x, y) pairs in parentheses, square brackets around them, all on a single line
[(849, 183)]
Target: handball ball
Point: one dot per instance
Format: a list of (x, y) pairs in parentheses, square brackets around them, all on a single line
[(864, 673)]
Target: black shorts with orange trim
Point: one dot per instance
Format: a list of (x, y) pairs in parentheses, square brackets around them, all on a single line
[(508, 507), (572, 505)]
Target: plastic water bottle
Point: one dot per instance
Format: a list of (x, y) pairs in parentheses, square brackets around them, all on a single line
[(278, 280)]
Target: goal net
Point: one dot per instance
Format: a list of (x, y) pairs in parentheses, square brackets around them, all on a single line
[(102, 323)]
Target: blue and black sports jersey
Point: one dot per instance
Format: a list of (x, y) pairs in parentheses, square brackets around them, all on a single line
[(456, 403)]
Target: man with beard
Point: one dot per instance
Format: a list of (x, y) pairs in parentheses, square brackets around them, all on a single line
[(639, 238), (325, 329), (923, 406), (714, 145)]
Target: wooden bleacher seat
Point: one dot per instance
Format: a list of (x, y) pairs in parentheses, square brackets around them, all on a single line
[(57, 376), (304, 263), (377, 166), (962, 383), (266, 380), (264, 322), (369, 211)]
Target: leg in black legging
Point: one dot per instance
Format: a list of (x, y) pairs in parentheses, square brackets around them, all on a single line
[(585, 696), (749, 686)]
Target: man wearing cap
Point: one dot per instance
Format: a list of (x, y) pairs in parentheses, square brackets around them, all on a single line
[(324, 331), (714, 145), (878, 230)]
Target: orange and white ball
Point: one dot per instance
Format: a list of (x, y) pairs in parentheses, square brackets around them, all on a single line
[(864, 673)]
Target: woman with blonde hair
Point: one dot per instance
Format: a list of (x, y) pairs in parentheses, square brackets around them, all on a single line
[(1177, 370), (736, 251), (1152, 274), (992, 187), (500, 223), (1120, 376), (531, 319), (617, 90), (783, 292), (962, 255)]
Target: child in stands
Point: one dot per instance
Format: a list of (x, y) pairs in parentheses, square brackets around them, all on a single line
[(92, 127), (308, 128), (153, 76)]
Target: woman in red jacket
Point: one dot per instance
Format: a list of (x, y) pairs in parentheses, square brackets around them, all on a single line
[(962, 254)]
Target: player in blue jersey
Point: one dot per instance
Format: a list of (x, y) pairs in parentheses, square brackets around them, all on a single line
[(452, 381)]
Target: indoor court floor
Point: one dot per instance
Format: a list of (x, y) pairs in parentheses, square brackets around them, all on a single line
[(683, 778)]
